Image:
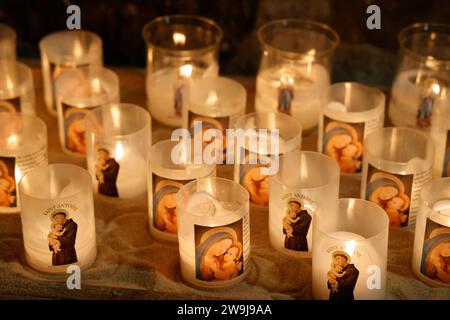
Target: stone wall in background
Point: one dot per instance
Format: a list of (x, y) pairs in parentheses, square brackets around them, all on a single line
[(364, 55)]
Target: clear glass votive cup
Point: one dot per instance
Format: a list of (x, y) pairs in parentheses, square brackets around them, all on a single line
[(266, 136), (23, 146), (179, 48), (118, 137), (431, 253), (166, 176), (77, 92), (295, 68), (8, 38), (16, 88), (397, 163), (63, 50), (349, 259), (421, 86), (351, 112), (306, 183), (213, 232), (57, 216)]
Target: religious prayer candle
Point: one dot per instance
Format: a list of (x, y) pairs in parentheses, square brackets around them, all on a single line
[(431, 254), (117, 140), (165, 178), (213, 232), (306, 183), (214, 103), (267, 136), (23, 146), (8, 38), (353, 111), (440, 133), (180, 48), (350, 252), (16, 87), (77, 92), (57, 216), (421, 86), (397, 163), (64, 50), (295, 68)]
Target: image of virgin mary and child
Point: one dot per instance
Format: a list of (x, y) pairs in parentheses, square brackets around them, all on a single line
[(61, 239), (296, 224), (435, 262), (219, 255), (388, 191), (164, 205), (220, 124), (342, 142)]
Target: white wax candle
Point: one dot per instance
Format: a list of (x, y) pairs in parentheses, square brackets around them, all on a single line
[(165, 90), (354, 268), (212, 217), (306, 83)]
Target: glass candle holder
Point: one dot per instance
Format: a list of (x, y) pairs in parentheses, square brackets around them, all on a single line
[(165, 178), (214, 103), (353, 111), (350, 252), (179, 48), (297, 195), (258, 158), (77, 92), (421, 86), (65, 50), (16, 87), (213, 232), (295, 68), (8, 38), (397, 163), (432, 237), (117, 139), (57, 216), (440, 133), (23, 146)]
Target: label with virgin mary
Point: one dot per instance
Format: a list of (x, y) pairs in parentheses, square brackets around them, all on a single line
[(435, 262), (392, 192), (344, 143), (8, 186), (220, 251), (446, 164), (164, 216), (74, 128)]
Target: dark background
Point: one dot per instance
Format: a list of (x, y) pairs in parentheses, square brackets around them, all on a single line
[(364, 55)]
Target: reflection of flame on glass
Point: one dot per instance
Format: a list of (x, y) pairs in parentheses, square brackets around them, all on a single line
[(115, 115), (186, 71), (286, 78), (179, 38), (119, 152), (17, 174), (12, 141), (212, 98), (77, 49), (350, 247), (95, 85), (9, 83)]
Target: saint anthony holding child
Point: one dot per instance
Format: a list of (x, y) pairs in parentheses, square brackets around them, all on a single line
[(106, 172), (296, 224), (61, 239), (342, 277)]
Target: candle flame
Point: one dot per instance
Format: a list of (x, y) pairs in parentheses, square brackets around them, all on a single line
[(115, 115), (77, 49), (286, 77), (119, 152), (179, 38), (186, 71), (436, 88), (12, 141), (350, 247), (212, 98), (17, 174), (9, 83)]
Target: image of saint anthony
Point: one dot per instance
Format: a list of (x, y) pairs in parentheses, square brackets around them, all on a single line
[(342, 277), (219, 255), (61, 239), (106, 172), (285, 97), (296, 224)]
